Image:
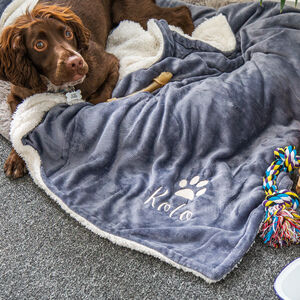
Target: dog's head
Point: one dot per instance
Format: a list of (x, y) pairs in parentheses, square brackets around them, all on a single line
[(44, 43)]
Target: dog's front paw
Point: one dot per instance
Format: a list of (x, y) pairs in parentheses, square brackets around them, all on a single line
[(14, 166)]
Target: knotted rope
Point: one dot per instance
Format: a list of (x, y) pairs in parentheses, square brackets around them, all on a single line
[(281, 225)]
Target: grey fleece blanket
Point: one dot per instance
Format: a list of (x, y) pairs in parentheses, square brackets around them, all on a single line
[(177, 174)]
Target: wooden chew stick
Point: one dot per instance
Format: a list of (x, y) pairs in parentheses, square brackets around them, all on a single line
[(157, 83)]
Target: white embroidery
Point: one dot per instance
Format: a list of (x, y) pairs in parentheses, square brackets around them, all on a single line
[(165, 205), (189, 193), (186, 215), (177, 208), (152, 197), (179, 211)]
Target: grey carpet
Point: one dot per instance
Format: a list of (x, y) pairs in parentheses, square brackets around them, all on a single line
[(45, 254)]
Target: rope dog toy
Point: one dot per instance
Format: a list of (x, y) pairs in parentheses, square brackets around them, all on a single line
[(281, 224)]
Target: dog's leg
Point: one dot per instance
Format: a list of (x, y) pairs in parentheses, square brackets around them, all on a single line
[(105, 91), (142, 10), (14, 166), (102, 76)]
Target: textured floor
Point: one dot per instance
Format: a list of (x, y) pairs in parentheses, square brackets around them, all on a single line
[(45, 254)]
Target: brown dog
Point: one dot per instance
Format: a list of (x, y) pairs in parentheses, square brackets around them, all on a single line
[(55, 47)]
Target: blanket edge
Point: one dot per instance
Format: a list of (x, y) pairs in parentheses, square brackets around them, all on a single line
[(35, 110)]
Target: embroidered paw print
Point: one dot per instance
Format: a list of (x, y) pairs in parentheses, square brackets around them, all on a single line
[(189, 192)]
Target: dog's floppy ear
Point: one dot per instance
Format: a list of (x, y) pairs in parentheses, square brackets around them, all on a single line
[(15, 66)]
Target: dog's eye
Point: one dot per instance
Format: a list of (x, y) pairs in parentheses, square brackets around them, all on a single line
[(40, 46), (68, 34)]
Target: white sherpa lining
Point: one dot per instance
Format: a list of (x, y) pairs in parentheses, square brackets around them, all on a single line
[(137, 48), (216, 32), (5, 119), (14, 10)]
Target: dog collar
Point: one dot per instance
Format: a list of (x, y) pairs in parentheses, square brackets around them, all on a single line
[(72, 95)]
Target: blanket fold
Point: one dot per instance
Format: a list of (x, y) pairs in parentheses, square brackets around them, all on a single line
[(176, 174)]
